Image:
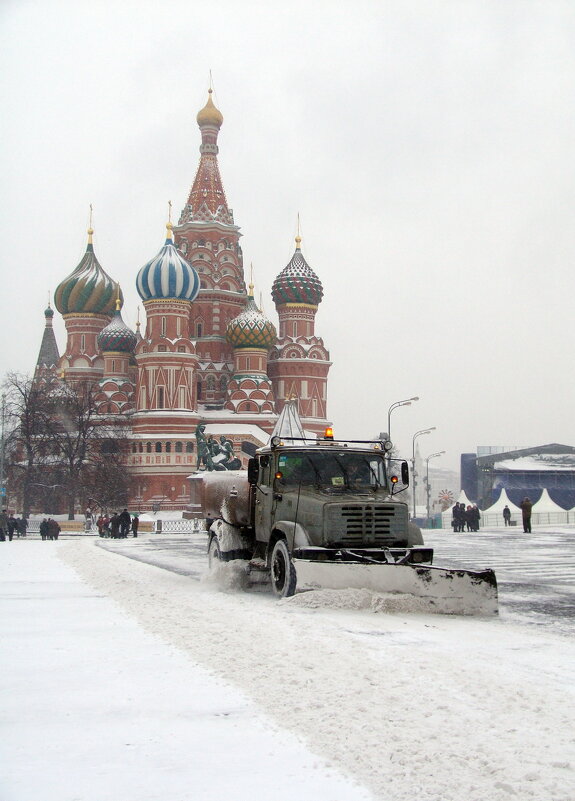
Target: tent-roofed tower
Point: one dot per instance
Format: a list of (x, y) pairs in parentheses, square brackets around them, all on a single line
[(299, 364), (49, 356), (209, 239)]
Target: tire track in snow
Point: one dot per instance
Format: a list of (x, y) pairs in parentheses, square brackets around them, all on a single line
[(388, 699)]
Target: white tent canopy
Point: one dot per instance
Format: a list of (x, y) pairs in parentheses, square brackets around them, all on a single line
[(546, 504), (500, 503), (461, 499), (289, 424)]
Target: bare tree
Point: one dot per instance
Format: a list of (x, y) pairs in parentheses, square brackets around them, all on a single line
[(61, 449), (28, 414), (77, 434), (107, 483)]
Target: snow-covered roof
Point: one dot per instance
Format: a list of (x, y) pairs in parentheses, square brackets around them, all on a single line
[(543, 461), (237, 429)]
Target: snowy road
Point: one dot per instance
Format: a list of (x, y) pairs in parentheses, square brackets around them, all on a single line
[(403, 703), (535, 573), (397, 706)]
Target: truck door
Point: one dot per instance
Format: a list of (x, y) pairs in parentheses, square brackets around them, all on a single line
[(264, 501)]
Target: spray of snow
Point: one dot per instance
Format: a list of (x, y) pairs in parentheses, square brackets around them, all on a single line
[(362, 599), (228, 576)]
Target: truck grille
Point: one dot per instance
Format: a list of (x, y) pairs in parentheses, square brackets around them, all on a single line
[(362, 524)]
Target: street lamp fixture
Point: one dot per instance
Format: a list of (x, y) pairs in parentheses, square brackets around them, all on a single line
[(413, 473), (432, 456), (406, 402)]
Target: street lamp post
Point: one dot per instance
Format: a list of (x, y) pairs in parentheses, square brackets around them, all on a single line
[(413, 473), (393, 406), (432, 456)]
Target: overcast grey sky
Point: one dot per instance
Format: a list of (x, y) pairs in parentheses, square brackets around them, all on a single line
[(428, 147)]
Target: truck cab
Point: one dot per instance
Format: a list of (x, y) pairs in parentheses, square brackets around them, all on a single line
[(328, 496)]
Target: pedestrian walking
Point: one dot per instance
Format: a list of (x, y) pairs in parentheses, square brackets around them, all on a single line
[(3, 525), (506, 515), (526, 507), (12, 524), (475, 515), (44, 529), (53, 529), (135, 524), (115, 526), (124, 520), (22, 526)]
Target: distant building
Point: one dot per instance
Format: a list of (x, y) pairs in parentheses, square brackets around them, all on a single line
[(521, 472)]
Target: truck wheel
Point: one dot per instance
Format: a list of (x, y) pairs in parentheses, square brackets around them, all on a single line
[(283, 573), (214, 553)]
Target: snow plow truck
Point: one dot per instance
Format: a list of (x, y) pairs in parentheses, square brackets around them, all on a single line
[(325, 514)]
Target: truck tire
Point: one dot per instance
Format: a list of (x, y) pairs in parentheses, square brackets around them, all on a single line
[(282, 571), (214, 553)]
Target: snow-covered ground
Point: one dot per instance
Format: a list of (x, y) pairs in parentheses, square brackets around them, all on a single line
[(123, 680)]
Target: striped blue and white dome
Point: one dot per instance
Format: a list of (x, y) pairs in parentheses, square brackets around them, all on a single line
[(168, 275)]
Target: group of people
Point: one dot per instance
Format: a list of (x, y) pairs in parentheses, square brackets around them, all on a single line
[(11, 526), (50, 529), (118, 525), (463, 518)]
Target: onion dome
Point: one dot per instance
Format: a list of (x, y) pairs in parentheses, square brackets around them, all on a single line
[(168, 275), (210, 115), (251, 328), (89, 289), (297, 282), (49, 312), (116, 336)]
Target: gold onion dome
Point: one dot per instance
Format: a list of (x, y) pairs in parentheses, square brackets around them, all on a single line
[(210, 115), (251, 328), (88, 289)]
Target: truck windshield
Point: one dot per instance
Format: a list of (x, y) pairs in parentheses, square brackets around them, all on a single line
[(333, 470)]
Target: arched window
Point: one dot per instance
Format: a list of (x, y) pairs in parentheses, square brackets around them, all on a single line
[(158, 447), (163, 327), (223, 383), (168, 447), (199, 329), (189, 447), (178, 447), (210, 383), (140, 448), (148, 447), (134, 449)]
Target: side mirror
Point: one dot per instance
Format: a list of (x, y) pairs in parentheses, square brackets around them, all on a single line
[(253, 471), (405, 474)]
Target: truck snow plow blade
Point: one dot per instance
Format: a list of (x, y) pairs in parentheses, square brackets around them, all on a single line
[(418, 588)]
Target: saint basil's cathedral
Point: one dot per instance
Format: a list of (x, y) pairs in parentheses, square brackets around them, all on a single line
[(208, 356)]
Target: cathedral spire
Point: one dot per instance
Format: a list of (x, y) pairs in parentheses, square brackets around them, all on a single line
[(48, 356), (207, 199)]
